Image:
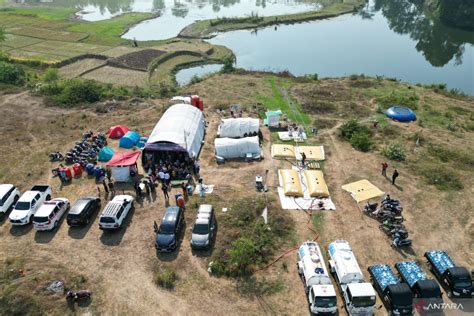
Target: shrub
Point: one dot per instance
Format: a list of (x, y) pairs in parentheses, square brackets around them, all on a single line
[(357, 135), (165, 278), (228, 64), (195, 79), (50, 75), (405, 98), (361, 141), (394, 152), (11, 74), (75, 91)]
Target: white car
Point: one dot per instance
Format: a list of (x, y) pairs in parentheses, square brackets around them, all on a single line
[(25, 208), (9, 195), (48, 216), (115, 212)]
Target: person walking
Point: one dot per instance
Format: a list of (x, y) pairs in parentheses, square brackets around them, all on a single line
[(395, 176), (106, 189), (164, 188), (112, 187), (184, 190), (303, 159), (384, 168)]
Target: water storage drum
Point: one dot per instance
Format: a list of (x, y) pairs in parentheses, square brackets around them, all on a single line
[(401, 114)]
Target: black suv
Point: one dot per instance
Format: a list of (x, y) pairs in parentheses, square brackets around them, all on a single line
[(168, 233), (82, 211)]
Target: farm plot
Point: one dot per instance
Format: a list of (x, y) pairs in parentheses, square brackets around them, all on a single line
[(45, 57), (18, 41), (80, 67), (66, 49), (119, 76), (47, 34), (137, 60)]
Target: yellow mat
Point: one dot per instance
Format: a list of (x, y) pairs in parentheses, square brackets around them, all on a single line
[(362, 190), (316, 185), (312, 152), (291, 182), (283, 151)]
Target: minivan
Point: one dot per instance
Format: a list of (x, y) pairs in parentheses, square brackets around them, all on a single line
[(171, 226)]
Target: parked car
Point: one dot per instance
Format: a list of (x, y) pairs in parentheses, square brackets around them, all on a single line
[(9, 195), (204, 229), (29, 203), (82, 210), (48, 216), (169, 230), (115, 212)]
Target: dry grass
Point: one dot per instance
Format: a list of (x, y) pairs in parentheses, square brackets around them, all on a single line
[(77, 68), (118, 76)]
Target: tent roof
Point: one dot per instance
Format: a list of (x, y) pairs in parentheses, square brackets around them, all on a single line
[(178, 125), (362, 190), (123, 159)]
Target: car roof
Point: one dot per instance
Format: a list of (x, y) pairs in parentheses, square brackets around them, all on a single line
[(45, 209), (204, 221), (123, 197), (111, 209), (4, 188), (28, 196), (205, 208), (81, 203), (171, 214)]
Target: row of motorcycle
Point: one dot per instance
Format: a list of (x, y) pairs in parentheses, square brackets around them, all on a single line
[(389, 214), (85, 150)]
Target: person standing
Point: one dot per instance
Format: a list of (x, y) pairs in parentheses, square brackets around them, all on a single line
[(112, 187), (164, 188), (394, 176), (384, 168), (303, 159), (161, 176), (106, 189), (167, 178)]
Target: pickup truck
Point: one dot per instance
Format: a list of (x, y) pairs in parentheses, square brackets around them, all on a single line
[(396, 296), (421, 287), (29, 203), (456, 279)]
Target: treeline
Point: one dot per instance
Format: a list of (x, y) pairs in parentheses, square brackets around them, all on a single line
[(457, 13)]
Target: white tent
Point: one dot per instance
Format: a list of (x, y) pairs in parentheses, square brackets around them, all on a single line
[(180, 129), (238, 127), (229, 148)]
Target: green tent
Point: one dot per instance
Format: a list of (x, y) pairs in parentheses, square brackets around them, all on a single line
[(105, 154)]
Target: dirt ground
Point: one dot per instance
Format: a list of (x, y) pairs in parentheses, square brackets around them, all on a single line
[(119, 266)]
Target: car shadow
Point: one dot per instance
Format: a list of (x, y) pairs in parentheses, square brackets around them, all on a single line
[(170, 256), (44, 237), (114, 237), (79, 232), (21, 230)]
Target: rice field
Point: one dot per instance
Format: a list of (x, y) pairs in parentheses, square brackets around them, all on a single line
[(118, 76), (80, 67), (47, 34)]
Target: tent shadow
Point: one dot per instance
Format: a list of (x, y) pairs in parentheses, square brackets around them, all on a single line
[(114, 238)]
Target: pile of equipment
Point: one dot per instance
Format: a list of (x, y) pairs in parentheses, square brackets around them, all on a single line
[(389, 214), (86, 150)]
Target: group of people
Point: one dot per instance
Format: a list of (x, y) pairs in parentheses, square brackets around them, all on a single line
[(395, 173)]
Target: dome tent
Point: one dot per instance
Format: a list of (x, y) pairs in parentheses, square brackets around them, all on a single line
[(117, 131), (105, 154), (401, 114), (129, 140)]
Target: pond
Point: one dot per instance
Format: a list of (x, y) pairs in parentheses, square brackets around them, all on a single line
[(390, 38), (184, 76)]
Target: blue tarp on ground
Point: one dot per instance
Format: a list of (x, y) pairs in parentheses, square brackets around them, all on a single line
[(105, 154), (129, 140), (401, 114)]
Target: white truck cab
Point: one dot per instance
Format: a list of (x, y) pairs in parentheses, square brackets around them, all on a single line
[(315, 277), (9, 195), (359, 296)]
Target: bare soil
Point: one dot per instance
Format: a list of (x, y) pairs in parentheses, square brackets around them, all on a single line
[(137, 60)]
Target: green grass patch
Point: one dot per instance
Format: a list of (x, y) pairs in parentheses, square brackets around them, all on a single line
[(462, 159), (444, 179), (277, 101), (358, 135), (317, 219), (47, 34), (394, 152), (45, 13), (393, 94)]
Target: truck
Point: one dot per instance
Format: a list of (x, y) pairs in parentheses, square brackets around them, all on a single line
[(29, 203), (395, 295), (359, 296), (421, 287), (456, 279), (317, 282)]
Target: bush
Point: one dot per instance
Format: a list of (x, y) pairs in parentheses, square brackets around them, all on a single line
[(195, 79), (166, 278), (405, 98), (359, 136), (75, 91), (228, 64), (361, 141), (11, 74), (394, 152), (50, 75)]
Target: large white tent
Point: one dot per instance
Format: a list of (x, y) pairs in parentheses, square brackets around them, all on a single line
[(230, 148), (180, 129), (238, 127)]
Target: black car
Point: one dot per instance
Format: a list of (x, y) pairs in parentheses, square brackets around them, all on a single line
[(82, 211), (168, 233)]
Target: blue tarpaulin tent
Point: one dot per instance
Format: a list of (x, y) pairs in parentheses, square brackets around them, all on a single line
[(129, 140), (105, 154), (401, 114)]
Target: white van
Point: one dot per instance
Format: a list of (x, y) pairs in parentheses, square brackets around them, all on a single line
[(9, 195), (49, 214)]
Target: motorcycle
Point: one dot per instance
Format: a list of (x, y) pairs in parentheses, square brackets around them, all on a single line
[(395, 232), (56, 156), (399, 242), (72, 296)]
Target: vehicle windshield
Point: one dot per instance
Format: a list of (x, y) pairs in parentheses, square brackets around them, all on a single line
[(73, 216), (402, 300), (328, 301), (42, 219), (201, 229), (22, 206), (463, 283), (166, 229), (363, 301), (107, 220)]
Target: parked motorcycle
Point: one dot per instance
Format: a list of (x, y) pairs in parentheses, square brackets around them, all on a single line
[(56, 156), (399, 242), (79, 295)]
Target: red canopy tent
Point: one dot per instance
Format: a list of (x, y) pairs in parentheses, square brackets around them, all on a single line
[(117, 131), (123, 165)]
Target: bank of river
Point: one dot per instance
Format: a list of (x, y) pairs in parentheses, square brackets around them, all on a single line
[(355, 44), (184, 76)]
